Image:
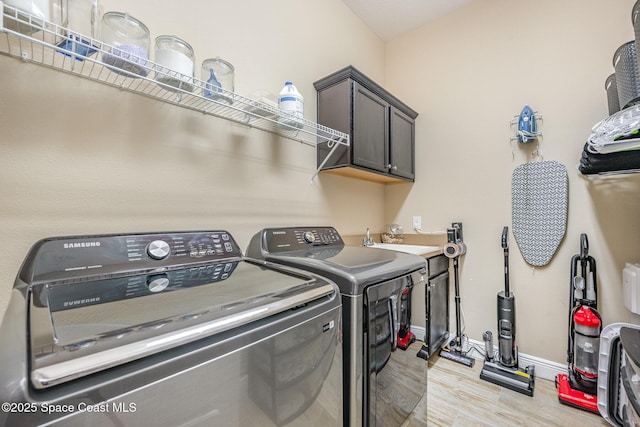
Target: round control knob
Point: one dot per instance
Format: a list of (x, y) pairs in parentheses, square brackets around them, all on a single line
[(157, 283), (158, 249), (309, 237)]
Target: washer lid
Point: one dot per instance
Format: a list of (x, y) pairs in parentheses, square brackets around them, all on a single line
[(352, 268), (321, 250), (87, 327)]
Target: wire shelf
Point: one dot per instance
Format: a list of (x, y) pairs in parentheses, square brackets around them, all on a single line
[(50, 45)]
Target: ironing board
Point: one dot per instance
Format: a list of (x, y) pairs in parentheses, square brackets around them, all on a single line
[(539, 198)]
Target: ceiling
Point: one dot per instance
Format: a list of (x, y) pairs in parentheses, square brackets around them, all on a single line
[(392, 18)]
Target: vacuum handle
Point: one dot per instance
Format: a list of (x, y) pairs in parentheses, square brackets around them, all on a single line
[(451, 235), (584, 246), (505, 238), (505, 246), (457, 226)]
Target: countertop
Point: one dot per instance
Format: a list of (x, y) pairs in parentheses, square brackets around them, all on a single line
[(438, 240)]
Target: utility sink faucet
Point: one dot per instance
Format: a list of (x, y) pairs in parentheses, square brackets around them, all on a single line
[(367, 241)]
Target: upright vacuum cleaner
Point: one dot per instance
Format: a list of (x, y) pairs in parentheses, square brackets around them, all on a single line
[(579, 387), (505, 371), (405, 336), (454, 248)]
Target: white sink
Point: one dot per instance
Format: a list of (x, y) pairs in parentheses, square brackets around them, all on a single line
[(410, 249)]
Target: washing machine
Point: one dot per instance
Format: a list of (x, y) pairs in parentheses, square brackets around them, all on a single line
[(167, 329), (618, 373), (382, 384)]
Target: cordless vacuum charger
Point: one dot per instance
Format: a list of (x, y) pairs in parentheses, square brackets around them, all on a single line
[(454, 249), (505, 372)]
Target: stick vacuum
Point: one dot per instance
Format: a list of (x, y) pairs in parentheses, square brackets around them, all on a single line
[(454, 249), (505, 372)]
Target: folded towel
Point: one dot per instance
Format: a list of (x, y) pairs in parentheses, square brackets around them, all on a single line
[(594, 163)]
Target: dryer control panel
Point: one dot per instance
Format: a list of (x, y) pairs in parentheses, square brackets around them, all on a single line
[(276, 240), (101, 256)]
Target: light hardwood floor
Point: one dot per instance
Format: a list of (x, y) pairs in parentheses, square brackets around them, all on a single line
[(456, 396)]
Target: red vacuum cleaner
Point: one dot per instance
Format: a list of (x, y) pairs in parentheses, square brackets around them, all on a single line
[(579, 387), (405, 336)]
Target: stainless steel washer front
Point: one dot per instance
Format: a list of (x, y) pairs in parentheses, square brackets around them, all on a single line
[(167, 329), (382, 385)]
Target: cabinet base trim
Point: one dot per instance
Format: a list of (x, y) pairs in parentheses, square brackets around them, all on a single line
[(350, 172)]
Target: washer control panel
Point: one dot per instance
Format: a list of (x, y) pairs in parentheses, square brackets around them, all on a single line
[(66, 258), (65, 297), (158, 249), (296, 238)]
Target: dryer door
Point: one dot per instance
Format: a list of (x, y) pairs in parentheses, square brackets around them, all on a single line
[(396, 380)]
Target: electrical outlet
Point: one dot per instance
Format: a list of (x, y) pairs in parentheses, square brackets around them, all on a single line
[(417, 222)]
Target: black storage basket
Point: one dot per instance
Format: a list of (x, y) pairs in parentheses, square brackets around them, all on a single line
[(635, 20), (625, 63), (612, 94)]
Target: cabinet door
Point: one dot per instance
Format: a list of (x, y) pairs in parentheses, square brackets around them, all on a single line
[(402, 145), (334, 111), (370, 129), (437, 311)]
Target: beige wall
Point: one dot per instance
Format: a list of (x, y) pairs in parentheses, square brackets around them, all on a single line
[(77, 157), (468, 74)]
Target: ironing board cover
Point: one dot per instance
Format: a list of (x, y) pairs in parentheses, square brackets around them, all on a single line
[(539, 198)]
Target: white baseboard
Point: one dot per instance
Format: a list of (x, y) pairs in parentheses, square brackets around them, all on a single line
[(545, 369), (419, 332)]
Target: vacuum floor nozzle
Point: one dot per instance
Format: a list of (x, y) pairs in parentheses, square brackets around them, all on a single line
[(423, 353), (458, 357), (511, 378), (573, 397)]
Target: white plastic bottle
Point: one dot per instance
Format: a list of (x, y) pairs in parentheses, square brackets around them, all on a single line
[(291, 103)]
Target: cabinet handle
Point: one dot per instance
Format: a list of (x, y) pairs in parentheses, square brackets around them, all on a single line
[(393, 321), (393, 168)]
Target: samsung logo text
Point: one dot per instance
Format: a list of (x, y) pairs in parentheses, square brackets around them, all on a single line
[(81, 245)]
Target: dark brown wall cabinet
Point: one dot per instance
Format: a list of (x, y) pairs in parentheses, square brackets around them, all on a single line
[(381, 128)]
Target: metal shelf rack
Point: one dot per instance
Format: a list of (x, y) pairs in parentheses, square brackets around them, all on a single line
[(50, 45)]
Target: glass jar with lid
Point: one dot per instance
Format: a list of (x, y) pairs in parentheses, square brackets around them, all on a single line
[(83, 18), (128, 42), (218, 75), (174, 62), (30, 16)]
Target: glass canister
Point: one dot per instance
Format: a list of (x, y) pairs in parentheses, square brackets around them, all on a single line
[(84, 24), (218, 75), (175, 62), (29, 16), (129, 43)]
